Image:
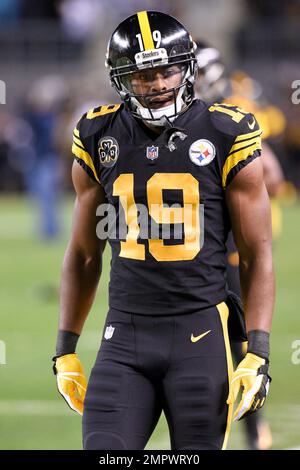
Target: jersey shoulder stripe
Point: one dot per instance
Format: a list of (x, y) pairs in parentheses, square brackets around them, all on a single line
[(85, 161), (82, 156), (235, 123), (238, 156)]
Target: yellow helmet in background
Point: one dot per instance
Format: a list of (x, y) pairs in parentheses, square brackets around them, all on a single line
[(246, 93)]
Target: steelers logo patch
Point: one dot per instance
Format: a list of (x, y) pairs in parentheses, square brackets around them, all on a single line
[(202, 152), (108, 150)]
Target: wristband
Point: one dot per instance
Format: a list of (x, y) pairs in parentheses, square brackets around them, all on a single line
[(258, 343), (66, 342)]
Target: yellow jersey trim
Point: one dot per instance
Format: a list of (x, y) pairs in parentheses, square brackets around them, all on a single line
[(251, 135), (84, 156), (237, 155), (242, 145), (76, 132), (224, 313), (78, 142)]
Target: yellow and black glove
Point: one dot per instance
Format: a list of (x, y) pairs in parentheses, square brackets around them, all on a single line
[(70, 378), (71, 381), (251, 375)]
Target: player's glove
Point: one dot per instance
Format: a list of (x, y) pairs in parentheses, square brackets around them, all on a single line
[(252, 375), (71, 381)]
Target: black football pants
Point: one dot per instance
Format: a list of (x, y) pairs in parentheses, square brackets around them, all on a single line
[(177, 364)]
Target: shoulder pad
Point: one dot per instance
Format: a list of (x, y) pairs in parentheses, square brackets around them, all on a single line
[(232, 120)]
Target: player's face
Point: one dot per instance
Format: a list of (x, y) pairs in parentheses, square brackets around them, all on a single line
[(154, 81)]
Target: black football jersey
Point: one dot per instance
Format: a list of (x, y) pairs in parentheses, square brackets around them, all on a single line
[(175, 262)]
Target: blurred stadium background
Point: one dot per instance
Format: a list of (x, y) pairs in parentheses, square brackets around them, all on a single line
[(52, 63)]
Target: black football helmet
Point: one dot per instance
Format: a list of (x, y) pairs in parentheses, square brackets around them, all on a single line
[(146, 40)]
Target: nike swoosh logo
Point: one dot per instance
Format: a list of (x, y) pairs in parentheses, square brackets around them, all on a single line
[(251, 126), (194, 339)]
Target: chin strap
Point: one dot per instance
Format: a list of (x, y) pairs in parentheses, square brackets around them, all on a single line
[(161, 116), (172, 133), (176, 134)]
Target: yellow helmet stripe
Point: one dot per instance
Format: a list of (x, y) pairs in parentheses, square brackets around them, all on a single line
[(145, 30)]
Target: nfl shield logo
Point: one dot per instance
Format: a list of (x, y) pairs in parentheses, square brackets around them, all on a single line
[(152, 152), (109, 332)]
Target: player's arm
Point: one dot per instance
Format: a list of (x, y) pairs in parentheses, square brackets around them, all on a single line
[(249, 209), (83, 258), (80, 276), (250, 213)]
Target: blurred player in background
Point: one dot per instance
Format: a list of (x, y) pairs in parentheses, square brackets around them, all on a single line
[(43, 175), (214, 84)]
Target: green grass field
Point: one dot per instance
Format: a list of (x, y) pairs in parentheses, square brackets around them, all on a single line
[(32, 414)]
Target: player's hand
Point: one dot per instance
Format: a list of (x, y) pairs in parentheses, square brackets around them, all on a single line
[(71, 381), (252, 376)]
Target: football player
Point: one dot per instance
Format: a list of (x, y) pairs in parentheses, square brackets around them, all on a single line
[(163, 160), (215, 83)]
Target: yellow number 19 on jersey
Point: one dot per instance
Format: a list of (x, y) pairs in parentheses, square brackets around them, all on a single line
[(188, 215)]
